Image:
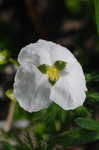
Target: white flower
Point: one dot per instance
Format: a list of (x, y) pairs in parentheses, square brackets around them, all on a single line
[(48, 73)]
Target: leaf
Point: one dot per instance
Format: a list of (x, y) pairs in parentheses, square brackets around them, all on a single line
[(92, 77), (93, 96), (7, 146), (75, 137), (82, 111), (96, 2), (40, 128), (73, 5), (88, 124)]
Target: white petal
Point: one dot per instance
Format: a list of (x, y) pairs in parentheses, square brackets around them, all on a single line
[(55, 52), (69, 91), (31, 89), (44, 52), (34, 54), (67, 96), (75, 76), (25, 55)]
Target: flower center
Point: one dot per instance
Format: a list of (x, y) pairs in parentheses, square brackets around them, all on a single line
[(53, 73)]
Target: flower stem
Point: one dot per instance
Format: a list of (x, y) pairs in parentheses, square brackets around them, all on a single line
[(13, 61), (8, 122)]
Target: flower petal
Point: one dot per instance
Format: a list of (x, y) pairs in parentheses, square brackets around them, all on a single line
[(31, 89), (27, 57), (44, 52), (69, 91), (74, 74), (66, 96), (55, 51), (34, 54)]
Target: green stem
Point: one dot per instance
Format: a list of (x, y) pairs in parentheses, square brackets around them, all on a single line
[(13, 61)]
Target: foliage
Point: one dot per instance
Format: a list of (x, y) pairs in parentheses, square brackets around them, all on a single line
[(97, 13)]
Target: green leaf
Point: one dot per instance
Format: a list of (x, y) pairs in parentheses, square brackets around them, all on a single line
[(7, 146), (13, 61), (88, 124), (43, 68), (21, 114), (40, 128), (60, 65), (92, 77), (73, 5), (96, 2), (93, 96), (57, 125), (75, 137), (82, 112)]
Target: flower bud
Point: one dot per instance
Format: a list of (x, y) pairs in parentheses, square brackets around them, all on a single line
[(4, 56), (10, 95)]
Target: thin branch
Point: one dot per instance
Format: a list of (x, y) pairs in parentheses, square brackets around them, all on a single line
[(8, 122)]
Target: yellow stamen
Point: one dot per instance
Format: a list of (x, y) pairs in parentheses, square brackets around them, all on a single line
[(53, 73)]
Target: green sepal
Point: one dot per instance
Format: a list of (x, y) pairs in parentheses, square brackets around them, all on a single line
[(52, 82), (60, 65), (43, 68)]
